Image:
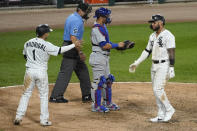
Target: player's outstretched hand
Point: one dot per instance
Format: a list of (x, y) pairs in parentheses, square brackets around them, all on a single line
[(127, 44), (78, 44), (132, 68)]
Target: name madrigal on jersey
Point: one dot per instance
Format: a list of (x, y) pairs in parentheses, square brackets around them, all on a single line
[(36, 45)]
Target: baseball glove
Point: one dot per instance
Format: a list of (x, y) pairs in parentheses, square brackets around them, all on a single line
[(127, 45)]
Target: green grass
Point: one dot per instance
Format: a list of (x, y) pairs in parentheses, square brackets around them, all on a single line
[(12, 64)]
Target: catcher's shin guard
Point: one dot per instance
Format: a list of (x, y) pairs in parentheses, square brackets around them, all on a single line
[(108, 91), (98, 97), (96, 106)]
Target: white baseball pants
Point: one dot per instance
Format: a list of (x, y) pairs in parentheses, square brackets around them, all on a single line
[(39, 78)]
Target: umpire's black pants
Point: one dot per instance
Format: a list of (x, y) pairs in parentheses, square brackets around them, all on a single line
[(67, 67)]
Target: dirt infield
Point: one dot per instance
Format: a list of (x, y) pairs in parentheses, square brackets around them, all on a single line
[(129, 14), (135, 99)]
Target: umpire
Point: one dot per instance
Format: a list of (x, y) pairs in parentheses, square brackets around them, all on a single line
[(73, 59)]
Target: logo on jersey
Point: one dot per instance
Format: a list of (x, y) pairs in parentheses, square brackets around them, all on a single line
[(160, 42), (75, 30), (151, 43)]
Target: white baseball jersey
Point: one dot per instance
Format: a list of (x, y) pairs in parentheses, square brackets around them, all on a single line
[(38, 52), (159, 45)]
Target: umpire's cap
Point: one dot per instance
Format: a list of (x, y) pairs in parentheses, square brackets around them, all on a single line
[(42, 29), (85, 7), (157, 18)]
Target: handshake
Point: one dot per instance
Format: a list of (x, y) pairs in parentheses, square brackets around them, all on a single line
[(78, 44)]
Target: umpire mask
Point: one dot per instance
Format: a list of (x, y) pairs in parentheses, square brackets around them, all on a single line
[(86, 8)]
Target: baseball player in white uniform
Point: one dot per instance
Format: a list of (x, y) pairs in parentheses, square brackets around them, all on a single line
[(37, 52), (162, 45)]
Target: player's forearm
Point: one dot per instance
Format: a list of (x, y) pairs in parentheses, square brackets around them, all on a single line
[(107, 46), (171, 53), (66, 48), (143, 56)]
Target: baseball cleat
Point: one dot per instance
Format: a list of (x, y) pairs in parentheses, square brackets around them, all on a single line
[(17, 121), (169, 115), (86, 98), (156, 119), (100, 109), (112, 106), (46, 123), (60, 100)]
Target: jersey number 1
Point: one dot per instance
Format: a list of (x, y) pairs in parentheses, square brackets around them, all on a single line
[(34, 56)]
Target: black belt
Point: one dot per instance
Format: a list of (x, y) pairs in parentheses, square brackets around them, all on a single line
[(157, 61), (94, 44), (101, 53), (73, 53)]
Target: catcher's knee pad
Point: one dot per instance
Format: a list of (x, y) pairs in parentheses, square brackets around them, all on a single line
[(111, 78), (96, 93)]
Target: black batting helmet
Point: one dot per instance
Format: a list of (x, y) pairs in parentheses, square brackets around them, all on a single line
[(156, 18), (42, 29)]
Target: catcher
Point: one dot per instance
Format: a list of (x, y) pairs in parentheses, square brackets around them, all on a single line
[(99, 60)]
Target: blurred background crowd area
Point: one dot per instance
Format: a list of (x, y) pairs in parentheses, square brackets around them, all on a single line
[(64, 3)]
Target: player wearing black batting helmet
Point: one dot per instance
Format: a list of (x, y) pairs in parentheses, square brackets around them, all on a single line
[(37, 52), (42, 29), (157, 18), (162, 46)]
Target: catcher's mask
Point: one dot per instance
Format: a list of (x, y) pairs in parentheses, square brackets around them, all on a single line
[(86, 8), (42, 29), (103, 12)]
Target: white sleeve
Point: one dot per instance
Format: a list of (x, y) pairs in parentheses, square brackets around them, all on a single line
[(143, 56), (66, 48), (170, 43), (24, 50), (149, 46), (146, 52), (52, 49), (97, 36)]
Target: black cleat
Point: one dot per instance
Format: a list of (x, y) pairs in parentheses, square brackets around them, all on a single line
[(86, 98), (59, 100), (17, 121)]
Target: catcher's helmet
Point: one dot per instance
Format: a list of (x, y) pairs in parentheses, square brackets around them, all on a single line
[(156, 18), (103, 12), (42, 29)]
